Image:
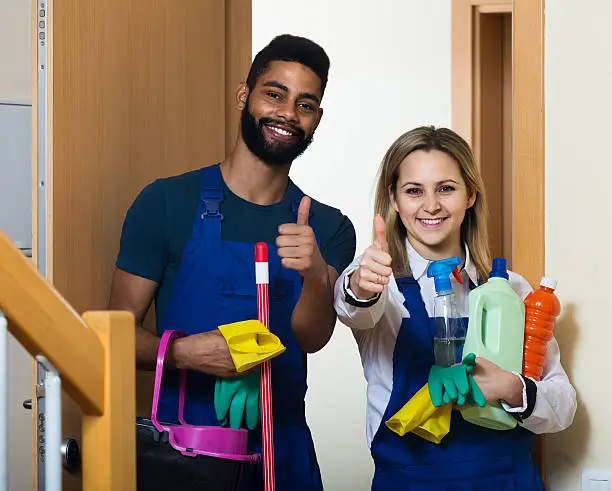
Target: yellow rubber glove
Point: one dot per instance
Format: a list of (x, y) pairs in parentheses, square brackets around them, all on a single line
[(250, 343), (422, 418)]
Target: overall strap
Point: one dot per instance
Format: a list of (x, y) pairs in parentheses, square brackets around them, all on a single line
[(413, 301), (211, 197)]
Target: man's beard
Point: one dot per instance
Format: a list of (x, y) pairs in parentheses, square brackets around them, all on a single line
[(275, 153)]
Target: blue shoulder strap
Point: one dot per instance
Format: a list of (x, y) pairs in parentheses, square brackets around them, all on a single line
[(212, 193), (211, 197)]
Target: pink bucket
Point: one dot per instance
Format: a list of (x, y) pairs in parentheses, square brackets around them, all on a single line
[(169, 452)]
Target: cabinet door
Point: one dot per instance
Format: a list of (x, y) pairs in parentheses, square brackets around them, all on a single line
[(136, 89)]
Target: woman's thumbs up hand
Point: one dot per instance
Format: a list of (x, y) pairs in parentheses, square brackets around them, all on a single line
[(374, 271)]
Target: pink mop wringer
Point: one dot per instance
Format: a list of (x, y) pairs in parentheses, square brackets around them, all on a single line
[(263, 310)]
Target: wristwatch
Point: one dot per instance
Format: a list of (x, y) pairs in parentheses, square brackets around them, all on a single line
[(353, 299)]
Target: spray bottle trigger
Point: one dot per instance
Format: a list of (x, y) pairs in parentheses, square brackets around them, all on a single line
[(457, 275)]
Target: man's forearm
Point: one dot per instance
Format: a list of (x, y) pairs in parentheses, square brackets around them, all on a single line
[(314, 317), (204, 352), (147, 344)]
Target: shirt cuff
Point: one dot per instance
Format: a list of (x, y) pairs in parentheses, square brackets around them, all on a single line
[(353, 299), (529, 397), (517, 409)]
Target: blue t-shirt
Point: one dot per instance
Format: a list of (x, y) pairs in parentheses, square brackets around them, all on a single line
[(159, 224)]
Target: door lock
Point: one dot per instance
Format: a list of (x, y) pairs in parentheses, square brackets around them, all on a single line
[(71, 455)]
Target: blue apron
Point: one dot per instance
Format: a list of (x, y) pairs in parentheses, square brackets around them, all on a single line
[(470, 457), (215, 285)]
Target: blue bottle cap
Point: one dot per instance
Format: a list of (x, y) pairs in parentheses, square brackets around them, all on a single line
[(499, 269), (441, 271)]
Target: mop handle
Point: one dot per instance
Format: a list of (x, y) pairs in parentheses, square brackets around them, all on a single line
[(263, 310)]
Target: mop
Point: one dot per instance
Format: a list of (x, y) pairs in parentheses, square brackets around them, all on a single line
[(263, 310)]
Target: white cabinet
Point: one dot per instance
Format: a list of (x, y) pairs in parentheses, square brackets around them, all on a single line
[(16, 172)]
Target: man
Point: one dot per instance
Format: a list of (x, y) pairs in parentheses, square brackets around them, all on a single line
[(188, 242)]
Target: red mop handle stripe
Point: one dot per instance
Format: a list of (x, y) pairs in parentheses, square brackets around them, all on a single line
[(266, 398), (267, 428), (263, 310)]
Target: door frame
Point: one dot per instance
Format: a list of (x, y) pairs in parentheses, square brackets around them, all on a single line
[(528, 116), (528, 146)]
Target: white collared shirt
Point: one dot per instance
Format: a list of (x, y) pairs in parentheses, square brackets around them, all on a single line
[(376, 329)]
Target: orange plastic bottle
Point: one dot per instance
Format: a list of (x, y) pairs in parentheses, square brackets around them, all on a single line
[(542, 308)]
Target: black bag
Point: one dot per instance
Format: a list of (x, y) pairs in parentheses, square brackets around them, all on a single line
[(159, 467)]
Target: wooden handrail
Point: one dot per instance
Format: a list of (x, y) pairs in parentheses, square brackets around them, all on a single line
[(95, 357), (44, 323)]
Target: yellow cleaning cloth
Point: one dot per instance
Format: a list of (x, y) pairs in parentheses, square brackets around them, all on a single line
[(422, 418), (250, 343)]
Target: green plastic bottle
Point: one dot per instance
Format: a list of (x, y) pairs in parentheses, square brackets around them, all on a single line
[(496, 330)]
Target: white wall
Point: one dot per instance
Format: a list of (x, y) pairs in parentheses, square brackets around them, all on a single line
[(16, 85), (578, 79), (390, 72)]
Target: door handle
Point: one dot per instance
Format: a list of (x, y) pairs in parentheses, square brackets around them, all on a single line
[(27, 404)]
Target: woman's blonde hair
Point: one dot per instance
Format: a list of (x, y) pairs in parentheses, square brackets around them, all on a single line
[(474, 226)]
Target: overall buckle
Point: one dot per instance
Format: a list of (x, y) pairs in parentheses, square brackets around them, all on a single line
[(212, 209)]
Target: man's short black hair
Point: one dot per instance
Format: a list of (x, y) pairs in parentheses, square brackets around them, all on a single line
[(290, 48)]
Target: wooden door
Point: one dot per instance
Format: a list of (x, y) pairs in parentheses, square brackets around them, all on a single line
[(136, 89)]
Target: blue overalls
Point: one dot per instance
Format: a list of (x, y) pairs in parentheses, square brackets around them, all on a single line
[(470, 457), (215, 285)]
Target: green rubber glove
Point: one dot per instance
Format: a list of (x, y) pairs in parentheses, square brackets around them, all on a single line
[(454, 383), (448, 384), (475, 396), (237, 399), (469, 360)]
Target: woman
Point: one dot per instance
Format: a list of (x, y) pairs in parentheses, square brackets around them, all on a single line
[(430, 204)]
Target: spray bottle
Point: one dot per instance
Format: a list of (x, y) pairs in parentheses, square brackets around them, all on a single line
[(450, 328)]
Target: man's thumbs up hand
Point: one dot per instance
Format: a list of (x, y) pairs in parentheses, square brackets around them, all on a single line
[(297, 245)]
